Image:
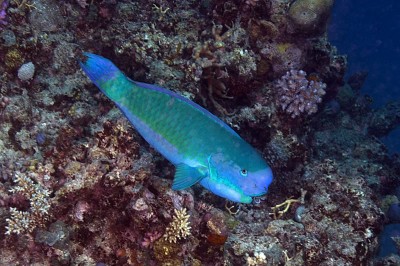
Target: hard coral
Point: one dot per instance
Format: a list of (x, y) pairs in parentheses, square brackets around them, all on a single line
[(26, 221), (13, 59), (297, 94), (310, 15), (26, 71), (258, 259), (179, 228)]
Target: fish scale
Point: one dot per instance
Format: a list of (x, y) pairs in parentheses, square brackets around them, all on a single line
[(176, 124), (202, 147)]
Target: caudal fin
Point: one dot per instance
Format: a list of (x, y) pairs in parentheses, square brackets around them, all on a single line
[(99, 69)]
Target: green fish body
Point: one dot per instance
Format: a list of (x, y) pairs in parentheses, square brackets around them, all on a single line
[(201, 146)]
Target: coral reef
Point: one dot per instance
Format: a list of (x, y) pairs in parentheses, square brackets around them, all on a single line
[(79, 186)]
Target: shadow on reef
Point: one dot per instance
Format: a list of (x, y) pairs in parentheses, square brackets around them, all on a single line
[(79, 186)]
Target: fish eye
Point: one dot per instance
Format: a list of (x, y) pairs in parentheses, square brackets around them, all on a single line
[(243, 172)]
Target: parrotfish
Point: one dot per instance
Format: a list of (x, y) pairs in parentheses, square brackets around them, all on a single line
[(202, 147)]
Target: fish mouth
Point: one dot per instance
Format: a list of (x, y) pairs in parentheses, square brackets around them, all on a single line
[(258, 194)]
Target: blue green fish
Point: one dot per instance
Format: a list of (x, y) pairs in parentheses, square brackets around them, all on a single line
[(201, 146)]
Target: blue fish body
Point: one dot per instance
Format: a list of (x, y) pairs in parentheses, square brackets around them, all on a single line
[(201, 146)]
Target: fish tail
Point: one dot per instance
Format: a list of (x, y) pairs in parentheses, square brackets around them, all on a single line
[(100, 70)]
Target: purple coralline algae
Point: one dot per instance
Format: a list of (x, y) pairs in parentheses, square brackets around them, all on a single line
[(297, 94), (3, 14)]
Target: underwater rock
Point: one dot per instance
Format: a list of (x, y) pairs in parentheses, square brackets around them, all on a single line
[(58, 235), (332, 107), (45, 17), (384, 119), (299, 213), (8, 38), (217, 228), (356, 81)]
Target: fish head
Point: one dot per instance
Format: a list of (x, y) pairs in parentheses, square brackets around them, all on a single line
[(238, 178)]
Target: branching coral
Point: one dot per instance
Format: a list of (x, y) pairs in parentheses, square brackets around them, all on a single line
[(26, 221), (297, 94), (179, 228), (258, 259)]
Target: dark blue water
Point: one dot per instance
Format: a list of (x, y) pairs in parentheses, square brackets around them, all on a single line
[(369, 33)]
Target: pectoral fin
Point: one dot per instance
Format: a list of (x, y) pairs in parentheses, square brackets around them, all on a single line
[(186, 176)]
